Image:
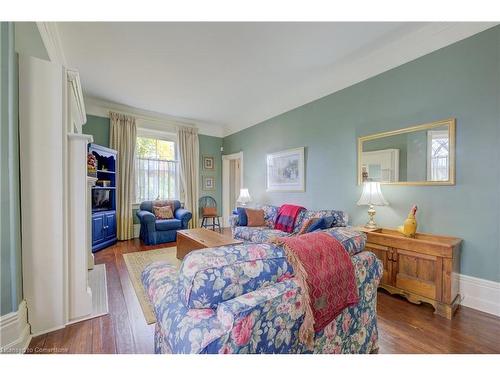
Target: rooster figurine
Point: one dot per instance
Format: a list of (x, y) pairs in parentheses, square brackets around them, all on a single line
[(409, 227)]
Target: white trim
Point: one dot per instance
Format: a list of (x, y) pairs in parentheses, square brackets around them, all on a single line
[(480, 294), (15, 333), (137, 230), (150, 120), (157, 134), (370, 63), (52, 41), (430, 136), (225, 183), (76, 88)]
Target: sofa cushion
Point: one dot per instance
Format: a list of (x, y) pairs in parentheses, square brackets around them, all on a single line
[(353, 240), (270, 214), (169, 224), (257, 234), (210, 276), (340, 218)]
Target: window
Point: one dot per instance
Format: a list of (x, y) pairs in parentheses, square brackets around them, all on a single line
[(157, 169), (438, 154)]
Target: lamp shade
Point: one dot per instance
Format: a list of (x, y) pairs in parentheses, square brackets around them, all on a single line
[(244, 196), (372, 195)]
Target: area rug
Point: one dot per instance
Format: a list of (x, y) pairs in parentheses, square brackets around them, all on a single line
[(136, 262)]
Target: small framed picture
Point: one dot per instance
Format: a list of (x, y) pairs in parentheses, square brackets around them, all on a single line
[(208, 183), (209, 163)]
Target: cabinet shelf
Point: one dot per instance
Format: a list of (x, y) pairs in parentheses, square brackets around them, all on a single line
[(104, 187), (107, 172)]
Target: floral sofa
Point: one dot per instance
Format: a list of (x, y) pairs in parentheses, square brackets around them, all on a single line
[(264, 234), (244, 299)]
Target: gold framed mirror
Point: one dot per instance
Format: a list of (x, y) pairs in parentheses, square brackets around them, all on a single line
[(417, 155)]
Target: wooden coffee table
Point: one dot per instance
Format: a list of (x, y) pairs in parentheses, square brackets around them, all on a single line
[(200, 238)]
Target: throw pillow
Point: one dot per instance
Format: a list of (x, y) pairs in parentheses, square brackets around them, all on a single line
[(318, 225), (209, 211), (163, 212), (307, 224), (163, 203), (330, 221), (242, 217), (255, 218)]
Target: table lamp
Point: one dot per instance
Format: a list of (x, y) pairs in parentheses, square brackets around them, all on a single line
[(372, 196), (244, 197)]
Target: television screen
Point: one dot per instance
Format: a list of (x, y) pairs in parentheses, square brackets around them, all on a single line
[(101, 200)]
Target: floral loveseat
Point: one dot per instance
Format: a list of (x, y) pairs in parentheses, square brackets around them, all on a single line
[(264, 234), (244, 299)]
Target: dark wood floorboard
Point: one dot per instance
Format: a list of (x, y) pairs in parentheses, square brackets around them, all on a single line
[(403, 327)]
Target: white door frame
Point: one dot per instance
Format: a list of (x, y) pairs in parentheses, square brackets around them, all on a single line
[(225, 183)]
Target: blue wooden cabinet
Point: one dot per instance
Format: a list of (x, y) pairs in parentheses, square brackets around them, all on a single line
[(104, 198), (103, 229)]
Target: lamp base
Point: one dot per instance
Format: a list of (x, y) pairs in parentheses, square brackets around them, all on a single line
[(371, 222)]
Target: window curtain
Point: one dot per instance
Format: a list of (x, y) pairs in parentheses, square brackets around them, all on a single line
[(123, 134), (189, 150)]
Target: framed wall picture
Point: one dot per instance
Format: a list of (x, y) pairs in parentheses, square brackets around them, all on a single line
[(208, 183), (285, 170), (209, 163)]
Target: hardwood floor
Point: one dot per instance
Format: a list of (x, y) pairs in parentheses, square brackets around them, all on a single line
[(403, 327)]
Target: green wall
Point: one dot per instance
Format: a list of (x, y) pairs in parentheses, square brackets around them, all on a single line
[(10, 221), (210, 146), (98, 127), (461, 81)]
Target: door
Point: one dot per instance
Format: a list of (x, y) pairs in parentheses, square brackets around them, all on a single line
[(110, 225), (232, 182), (418, 273), (385, 255), (98, 230)]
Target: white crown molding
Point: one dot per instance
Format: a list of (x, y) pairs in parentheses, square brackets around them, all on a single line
[(480, 294), (15, 333), (379, 59), (52, 41), (149, 119)]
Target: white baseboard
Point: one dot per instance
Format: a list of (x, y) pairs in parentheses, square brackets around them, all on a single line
[(137, 230), (15, 331), (480, 294)]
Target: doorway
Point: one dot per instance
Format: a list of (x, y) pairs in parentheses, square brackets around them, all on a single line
[(232, 182)]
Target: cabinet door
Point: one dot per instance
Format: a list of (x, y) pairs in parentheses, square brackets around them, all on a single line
[(110, 225), (98, 231), (418, 273), (383, 253)]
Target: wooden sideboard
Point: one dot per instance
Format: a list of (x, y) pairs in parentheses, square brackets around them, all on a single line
[(422, 269)]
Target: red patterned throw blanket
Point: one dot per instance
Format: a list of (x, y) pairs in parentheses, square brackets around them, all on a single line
[(325, 273), (287, 215)]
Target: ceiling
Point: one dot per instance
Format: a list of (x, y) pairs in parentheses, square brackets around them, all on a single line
[(235, 75)]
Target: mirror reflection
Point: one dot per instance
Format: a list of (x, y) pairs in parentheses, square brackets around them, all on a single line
[(422, 154)]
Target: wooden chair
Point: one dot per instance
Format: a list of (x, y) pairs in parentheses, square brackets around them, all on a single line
[(208, 210)]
